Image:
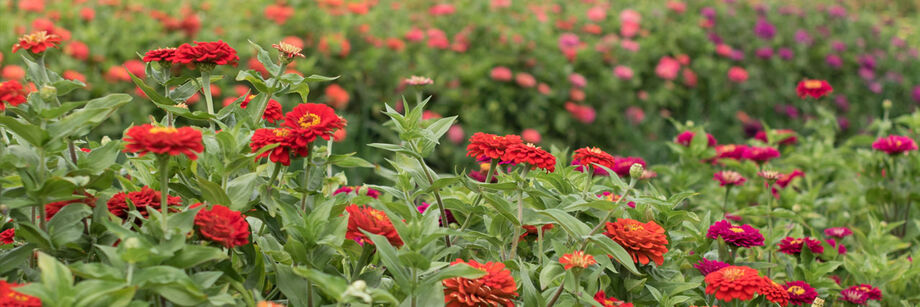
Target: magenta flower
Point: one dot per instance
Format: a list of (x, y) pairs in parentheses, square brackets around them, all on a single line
[(450, 215), (894, 144), (761, 154), (622, 165), (357, 191), (686, 137), (800, 292), (838, 232), (764, 29), (730, 178), (840, 248), (706, 266), (793, 246), (740, 236)]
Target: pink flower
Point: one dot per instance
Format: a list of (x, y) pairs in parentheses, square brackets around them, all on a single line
[(686, 137), (597, 14), (501, 73), (441, 10), (739, 236), (455, 134), (729, 178), (839, 232), (525, 80), (667, 68), (578, 80), (706, 266), (582, 113), (635, 115), (761, 154), (623, 72), (630, 45), (894, 144), (531, 136), (737, 74)]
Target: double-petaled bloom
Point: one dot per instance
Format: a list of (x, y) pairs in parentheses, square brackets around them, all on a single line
[(532, 155), (148, 138), (739, 236), (308, 121), (645, 242), (800, 292), (12, 92), (609, 301), (485, 146), (861, 294), (734, 282), (144, 200), (774, 292), (6, 236), (793, 246), (839, 232), (577, 259), (37, 42), (288, 51), (370, 220), (589, 156), (686, 137), (729, 178), (222, 225), (761, 154), (495, 288), (9, 296), (894, 144), (813, 88), (208, 53), (161, 55)]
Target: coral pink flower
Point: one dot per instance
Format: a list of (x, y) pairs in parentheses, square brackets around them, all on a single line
[(894, 144), (582, 113), (501, 73), (667, 68), (737, 74), (623, 72)]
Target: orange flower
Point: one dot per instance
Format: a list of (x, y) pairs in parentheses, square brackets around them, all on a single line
[(9, 297), (496, 288), (310, 120), (268, 304), (164, 140), (37, 42), (577, 259), (734, 282), (337, 96), (774, 292), (589, 156), (370, 220), (644, 242)]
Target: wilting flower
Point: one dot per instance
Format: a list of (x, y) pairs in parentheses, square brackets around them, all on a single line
[(643, 241), (800, 292), (813, 88), (37, 42), (530, 154), (310, 120), (418, 80), (496, 288), (734, 282), (601, 298), (163, 55), (774, 292), (740, 236), (222, 225), (6, 237), (730, 178), (785, 136), (686, 137), (53, 208), (894, 144), (761, 154), (588, 156), (450, 215), (614, 198), (288, 51), (286, 145), (13, 93), (622, 165), (148, 138), (530, 231), (357, 190), (9, 297), (577, 259), (839, 232), (373, 221), (489, 146), (213, 53), (144, 200), (793, 246)]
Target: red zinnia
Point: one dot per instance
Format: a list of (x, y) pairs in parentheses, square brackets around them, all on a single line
[(601, 298), (793, 246), (160, 55), (53, 208), (273, 111), (37, 42), (283, 137), (774, 292), (216, 53), (577, 259), (530, 231), (621, 165), (9, 297), (730, 178), (310, 120), (734, 282), (162, 140), (496, 288), (370, 220), (894, 144), (813, 88), (761, 154), (800, 292), (6, 237), (588, 156), (222, 225), (530, 154), (143, 200), (485, 146), (13, 93), (643, 241)]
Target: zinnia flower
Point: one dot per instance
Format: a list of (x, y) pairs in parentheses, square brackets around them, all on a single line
[(643, 241), (740, 236), (485, 146), (213, 53), (577, 259), (310, 120), (530, 231), (53, 208), (793, 246), (418, 80), (730, 178), (496, 288), (37, 42), (357, 191), (534, 156), (148, 138), (622, 165), (142, 200), (839, 232), (774, 292), (285, 140), (800, 292), (761, 154), (813, 88), (6, 237), (163, 55), (686, 137), (12, 92), (706, 266), (370, 220), (222, 225), (731, 151), (894, 144), (588, 156), (601, 298), (841, 249), (288, 51), (785, 179), (734, 282), (9, 297), (614, 198), (854, 295), (872, 292)]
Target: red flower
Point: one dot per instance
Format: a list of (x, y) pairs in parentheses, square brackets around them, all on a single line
[(786, 136), (894, 144), (588, 156), (601, 298), (217, 53), (785, 179), (813, 88), (774, 292), (6, 237), (734, 282), (370, 220), (761, 154), (286, 144), (872, 292), (37, 42), (800, 292), (737, 74), (162, 140), (496, 288), (12, 92), (9, 297), (485, 146), (730, 178), (160, 55), (530, 231), (273, 111), (854, 295), (143, 200), (52, 208), (310, 120), (222, 225), (686, 137), (357, 191), (793, 246), (337, 96), (643, 241), (577, 259), (530, 154)]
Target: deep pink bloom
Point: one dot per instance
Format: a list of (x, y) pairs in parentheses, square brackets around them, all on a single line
[(358, 191), (800, 292), (581, 113), (854, 295), (450, 215), (839, 232), (731, 151), (667, 68), (686, 137), (761, 154), (841, 249), (785, 179), (894, 144), (622, 165), (740, 236), (793, 246), (706, 266)]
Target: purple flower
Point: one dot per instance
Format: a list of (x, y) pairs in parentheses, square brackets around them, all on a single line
[(844, 123), (833, 61), (708, 12), (802, 37), (916, 93), (866, 61), (839, 46), (866, 73), (842, 103), (764, 29), (785, 53), (875, 87), (714, 38), (764, 53), (737, 55), (740, 236), (837, 11), (707, 266)]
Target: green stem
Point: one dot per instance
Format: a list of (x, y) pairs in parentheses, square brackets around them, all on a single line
[(540, 245), (306, 182), (492, 166), (309, 293), (728, 189), (437, 196), (558, 293), (520, 215), (274, 176), (366, 254), (163, 161), (589, 178), (206, 89), (602, 223)]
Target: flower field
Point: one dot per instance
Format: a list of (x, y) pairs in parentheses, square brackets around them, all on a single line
[(459, 153)]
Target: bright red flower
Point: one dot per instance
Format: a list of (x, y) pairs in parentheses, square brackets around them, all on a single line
[(530, 231), (734, 282), (530, 154), (577, 259), (160, 55), (216, 53), (6, 237), (496, 288), (800, 292), (730, 178), (9, 297), (148, 138), (222, 225), (143, 200), (370, 220), (310, 120), (37, 42), (643, 241), (601, 298), (894, 144), (774, 292), (485, 146), (13, 93), (813, 88), (53, 208), (589, 156), (283, 137), (793, 246), (273, 111)]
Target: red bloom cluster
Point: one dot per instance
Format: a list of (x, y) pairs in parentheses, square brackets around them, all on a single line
[(283, 137), (609, 301), (222, 225), (774, 292), (37, 42), (215, 53), (164, 140), (894, 144), (730, 178), (740, 236), (52, 208), (9, 297), (793, 246), (13, 93), (643, 241), (686, 137), (800, 292), (761, 154), (534, 156), (589, 156), (370, 220), (6, 237), (813, 88), (485, 146), (143, 200), (496, 288)]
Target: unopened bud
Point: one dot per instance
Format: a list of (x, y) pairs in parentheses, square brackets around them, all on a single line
[(690, 123), (48, 92), (636, 170), (886, 104), (132, 243)]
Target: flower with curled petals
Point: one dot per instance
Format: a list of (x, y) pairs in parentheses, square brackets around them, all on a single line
[(800, 292), (162, 55), (486, 146), (288, 51), (37, 42), (609, 301), (532, 155), (729, 178), (739, 236), (222, 225), (173, 141), (13, 93), (774, 292), (734, 282), (645, 242), (370, 220), (495, 288)]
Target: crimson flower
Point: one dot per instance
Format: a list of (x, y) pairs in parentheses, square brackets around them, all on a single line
[(213, 53), (813, 88), (37, 42), (800, 292), (485, 146), (164, 55), (793, 246), (601, 298), (6, 237), (534, 156), (686, 137), (740, 236), (839, 232), (310, 120), (143, 200), (588, 156), (731, 151), (761, 154), (706, 266), (53, 208), (9, 297), (286, 145), (13, 93), (148, 138), (530, 231), (222, 225), (894, 144)]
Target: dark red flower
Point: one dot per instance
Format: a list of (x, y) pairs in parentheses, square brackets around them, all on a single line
[(706, 266), (601, 298), (13, 93), (793, 246), (496, 288), (310, 120), (373, 221), (686, 137), (215, 53), (160, 55), (530, 154), (37, 42), (285, 139), (731, 151), (11, 298), (740, 236), (148, 138), (813, 88), (485, 146), (643, 241), (894, 144), (143, 200), (6, 237), (622, 165), (222, 225), (761, 154), (52, 208)]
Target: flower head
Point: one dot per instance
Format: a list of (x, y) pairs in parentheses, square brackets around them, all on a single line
[(894, 144), (761, 154), (601, 298), (813, 88), (370, 220), (13, 93), (854, 295), (53, 208), (793, 246), (222, 225), (729, 178), (288, 51), (530, 231), (6, 237), (37, 42), (706, 266), (143, 200), (284, 137), (213, 53), (622, 165), (163, 55), (9, 296), (485, 146), (800, 292), (686, 137), (418, 80), (577, 259), (534, 156), (607, 195), (774, 292), (148, 138), (785, 179), (496, 288), (740, 236), (588, 156), (643, 241), (734, 282), (839, 232), (310, 120), (358, 190), (731, 151)]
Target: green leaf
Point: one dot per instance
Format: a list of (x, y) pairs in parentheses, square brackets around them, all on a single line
[(212, 192), (618, 252), (266, 60), (315, 78), (572, 225), (99, 292), (349, 161), (302, 89), (151, 93), (55, 275), (503, 207), (12, 259), (193, 255), (66, 86), (67, 225), (101, 158), (457, 270), (390, 259), (253, 78), (82, 120), (332, 286), (241, 190), (28, 132)]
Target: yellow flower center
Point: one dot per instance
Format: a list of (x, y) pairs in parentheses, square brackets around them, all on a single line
[(594, 150), (736, 229), (281, 132), (163, 130), (796, 290), (377, 215), (812, 84), (634, 227), (308, 120), (732, 274)]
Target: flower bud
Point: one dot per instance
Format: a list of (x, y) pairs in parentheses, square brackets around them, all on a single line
[(636, 170), (48, 92), (886, 104)]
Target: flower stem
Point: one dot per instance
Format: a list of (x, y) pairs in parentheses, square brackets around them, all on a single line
[(556, 295), (728, 188), (306, 182), (163, 163), (206, 89), (274, 176), (437, 196), (520, 215), (492, 166)]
